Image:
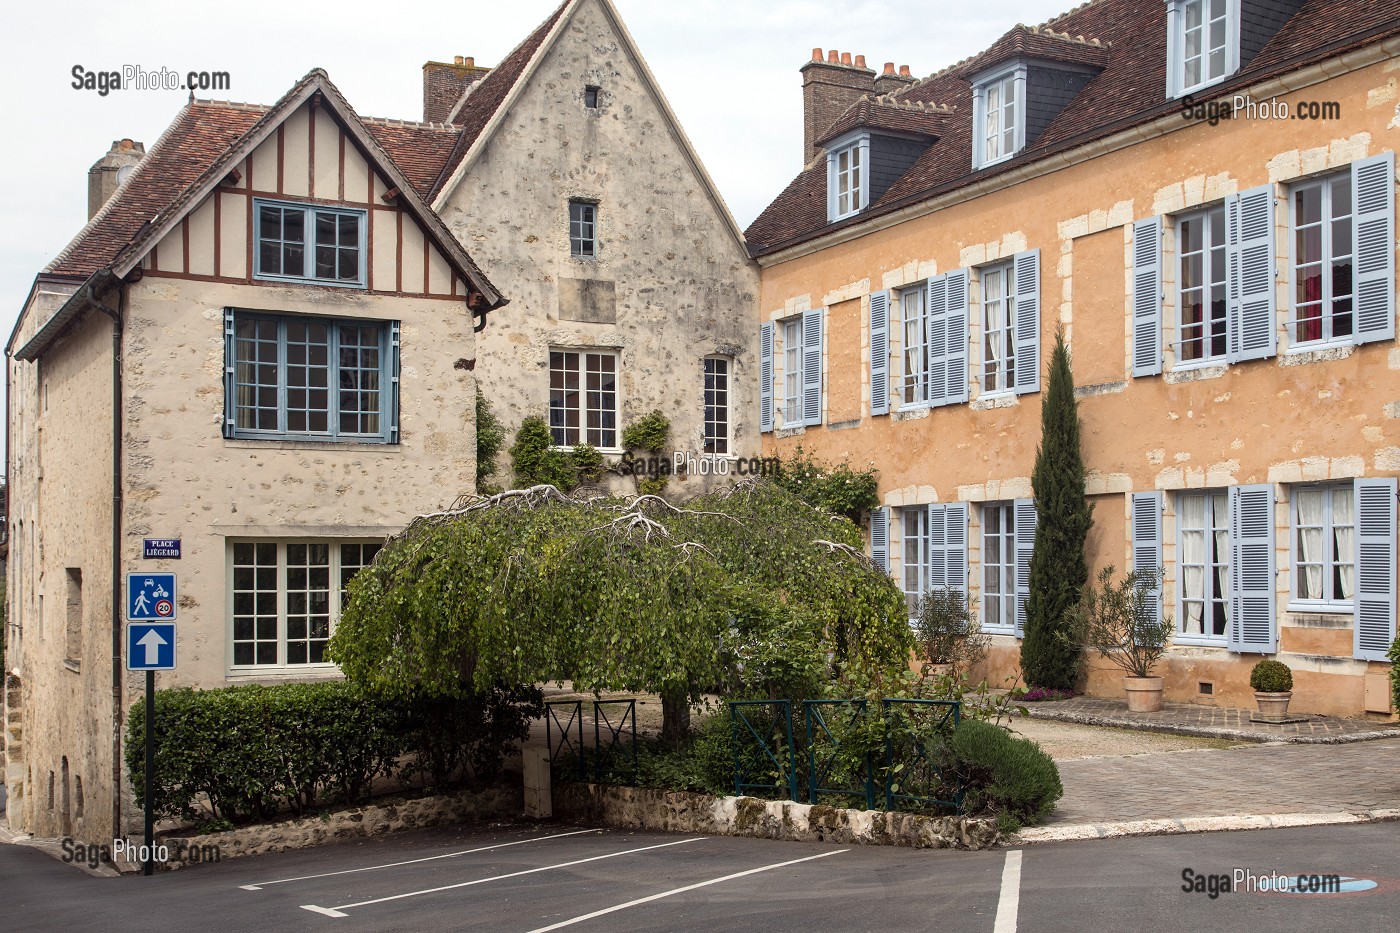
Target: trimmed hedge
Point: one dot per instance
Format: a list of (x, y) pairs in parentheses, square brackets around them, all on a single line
[(255, 750), (1006, 775)]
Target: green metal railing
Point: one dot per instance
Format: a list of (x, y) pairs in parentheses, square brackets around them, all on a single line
[(907, 723), (774, 748), (825, 749), (610, 732)]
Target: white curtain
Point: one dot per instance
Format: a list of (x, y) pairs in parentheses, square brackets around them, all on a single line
[(1310, 553), (1343, 529), (1193, 552), (1220, 511)]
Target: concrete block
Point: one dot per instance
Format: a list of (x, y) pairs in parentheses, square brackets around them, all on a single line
[(538, 797)]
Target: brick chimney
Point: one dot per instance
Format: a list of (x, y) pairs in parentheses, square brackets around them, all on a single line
[(830, 85), (443, 84), (108, 172), (891, 81)]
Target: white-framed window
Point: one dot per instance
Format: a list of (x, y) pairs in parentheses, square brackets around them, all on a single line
[(913, 316), (998, 329), (1202, 302), (1323, 260), (583, 398), (999, 567), (998, 117), (1324, 548), (913, 530), (716, 405), (1203, 44), (1203, 564), (583, 229), (309, 243), (792, 372), (847, 175), (285, 598), (310, 378)]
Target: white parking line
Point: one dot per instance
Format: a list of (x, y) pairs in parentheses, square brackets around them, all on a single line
[(1010, 901), (350, 871), (339, 911), (690, 887)]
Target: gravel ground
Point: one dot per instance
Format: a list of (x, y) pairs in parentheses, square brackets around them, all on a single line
[(1066, 741)]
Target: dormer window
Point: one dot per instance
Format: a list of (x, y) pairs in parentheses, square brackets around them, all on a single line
[(1203, 43), (847, 177), (998, 117)]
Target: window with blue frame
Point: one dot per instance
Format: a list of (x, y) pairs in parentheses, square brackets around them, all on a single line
[(309, 243), (310, 378)]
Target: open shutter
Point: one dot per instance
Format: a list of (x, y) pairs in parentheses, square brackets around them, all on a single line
[(937, 547), (1252, 614), (230, 384), (880, 353), (1027, 273), (937, 336), (1147, 542), (1373, 197), (1025, 518), (1147, 297), (765, 378), (1249, 252), (1375, 568), (812, 366), (947, 333), (880, 538), (394, 372)]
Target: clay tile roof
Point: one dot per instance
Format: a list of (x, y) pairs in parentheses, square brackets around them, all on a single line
[(890, 113), (1130, 90), (1040, 42), (420, 150)]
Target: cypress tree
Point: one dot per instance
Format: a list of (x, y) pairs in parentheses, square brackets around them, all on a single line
[(1050, 651)]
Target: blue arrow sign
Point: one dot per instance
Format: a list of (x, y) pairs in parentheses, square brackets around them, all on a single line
[(150, 596), (150, 646)]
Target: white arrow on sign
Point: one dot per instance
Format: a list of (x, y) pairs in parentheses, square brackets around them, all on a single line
[(152, 642)]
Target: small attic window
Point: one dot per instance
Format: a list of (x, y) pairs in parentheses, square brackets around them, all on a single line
[(1203, 43), (998, 116), (847, 177), (590, 97)]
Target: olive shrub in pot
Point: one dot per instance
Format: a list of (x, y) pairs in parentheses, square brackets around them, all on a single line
[(1119, 621)]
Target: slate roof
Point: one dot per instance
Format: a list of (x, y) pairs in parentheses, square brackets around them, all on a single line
[(1131, 89)]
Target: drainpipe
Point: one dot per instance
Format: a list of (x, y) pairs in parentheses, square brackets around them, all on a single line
[(116, 315)]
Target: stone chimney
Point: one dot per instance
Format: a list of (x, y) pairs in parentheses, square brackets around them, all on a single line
[(830, 85), (108, 172), (892, 81), (443, 84)]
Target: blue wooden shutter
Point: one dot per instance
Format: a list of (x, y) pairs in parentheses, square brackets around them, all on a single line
[(1027, 273), (880, 538), (1147, 297), (1025, 518), (812, 366), (952, 350), (395, 371), (1375, 568), (880, 353), (1147, 542), (1252, 613), (765, 378), (955, 525), (1373, 200), (230, 377), (1249, 252), (936, 332)]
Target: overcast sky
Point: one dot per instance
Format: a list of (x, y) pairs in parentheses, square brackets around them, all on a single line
[(729, 69)]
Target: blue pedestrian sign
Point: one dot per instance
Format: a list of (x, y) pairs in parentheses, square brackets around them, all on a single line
[(150, 596), (150, 646)]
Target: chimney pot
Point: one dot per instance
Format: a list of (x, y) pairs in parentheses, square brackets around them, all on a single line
[(126, 145), (845, 58), (470, 62), (860, 61), (889, 68), (458, 60), (904, 71), (817, 55), (833, 57)]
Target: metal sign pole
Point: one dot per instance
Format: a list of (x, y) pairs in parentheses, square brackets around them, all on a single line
[(150, 771)]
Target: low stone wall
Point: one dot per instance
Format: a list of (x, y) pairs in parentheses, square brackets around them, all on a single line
[(369, 820), (686, 812)]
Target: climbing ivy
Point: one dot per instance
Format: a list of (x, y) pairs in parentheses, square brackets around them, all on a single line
[(490, 438), (840, 489), (537, 462), (648, 433)]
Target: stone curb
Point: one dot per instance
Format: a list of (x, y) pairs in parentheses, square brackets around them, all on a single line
[(1195, 824), (1208, 732)]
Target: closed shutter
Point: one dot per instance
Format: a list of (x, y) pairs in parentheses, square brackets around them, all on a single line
[(880, 538), (947, 335), (1147, 297), (880, 353), (1373, 197), (1252, 626), (230, 379), (765, 378), (394, 372), (1249, 251), (1147, 543), (1027, 274), (812, 366), (1375, 568), (947, 557), (937, 335), (1025, 518)]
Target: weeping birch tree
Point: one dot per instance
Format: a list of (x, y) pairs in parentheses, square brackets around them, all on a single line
[(634, 594)]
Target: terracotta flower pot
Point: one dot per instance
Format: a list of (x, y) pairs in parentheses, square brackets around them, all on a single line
[(1273, 707), (1144, 694)]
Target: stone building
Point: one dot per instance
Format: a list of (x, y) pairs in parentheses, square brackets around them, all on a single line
[(260, 345), (631, 289), (1201, 193)]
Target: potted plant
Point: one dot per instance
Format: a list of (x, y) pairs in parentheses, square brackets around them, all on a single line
[(1273, 688), (947, 633), (1118, 620)]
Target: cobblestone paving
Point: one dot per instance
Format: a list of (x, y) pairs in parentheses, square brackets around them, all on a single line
[(1218, 722), (1261, 779)]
